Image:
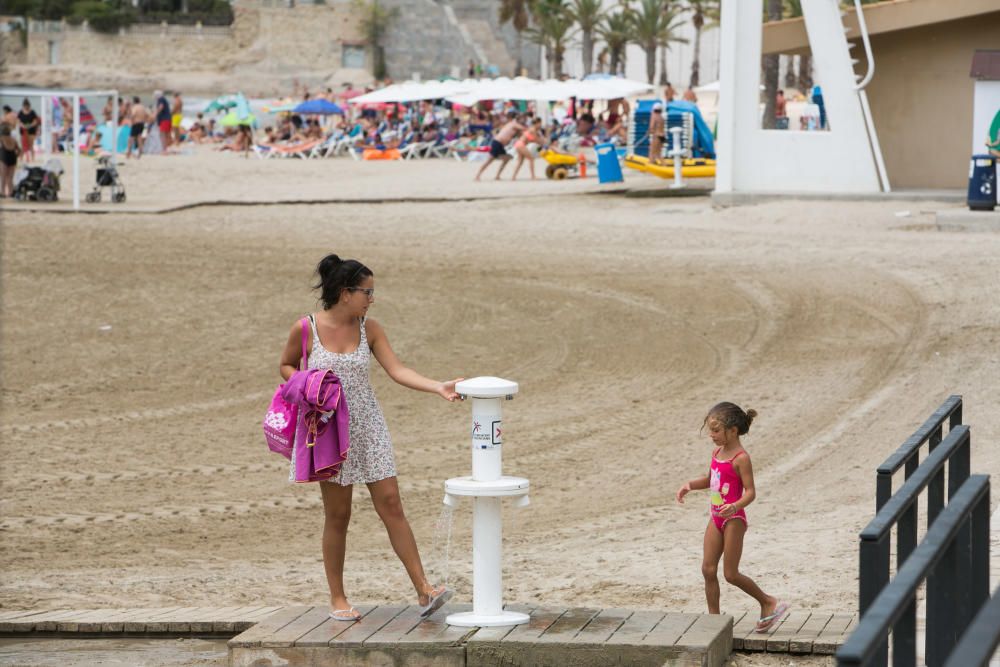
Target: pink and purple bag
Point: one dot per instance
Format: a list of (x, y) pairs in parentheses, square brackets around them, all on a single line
[(282, 416)]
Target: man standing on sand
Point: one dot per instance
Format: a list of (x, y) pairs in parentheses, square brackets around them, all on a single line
[(163, 119), (498, 147), (137, 117)]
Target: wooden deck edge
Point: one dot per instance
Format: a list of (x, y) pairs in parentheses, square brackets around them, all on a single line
[(200, 624)]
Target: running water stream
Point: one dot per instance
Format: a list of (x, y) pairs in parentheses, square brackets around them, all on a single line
[(442, 542)]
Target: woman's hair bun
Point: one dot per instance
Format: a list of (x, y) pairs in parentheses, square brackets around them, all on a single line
[(328, 264)]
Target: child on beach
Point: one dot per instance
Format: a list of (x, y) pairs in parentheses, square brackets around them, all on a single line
[(730, 480)]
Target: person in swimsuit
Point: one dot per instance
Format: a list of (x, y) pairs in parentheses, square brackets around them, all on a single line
[(344, 339), (9, 153), (730, 480), (657, 130), (137, 117), (498, 147), (533, 135)]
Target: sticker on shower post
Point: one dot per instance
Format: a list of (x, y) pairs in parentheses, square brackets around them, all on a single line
[(486, 432)]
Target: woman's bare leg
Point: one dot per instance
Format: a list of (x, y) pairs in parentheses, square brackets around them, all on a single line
[(517, 167), (337, 516), (385, 496)]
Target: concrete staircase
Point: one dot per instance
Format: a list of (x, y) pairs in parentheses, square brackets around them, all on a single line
[(492, 46)]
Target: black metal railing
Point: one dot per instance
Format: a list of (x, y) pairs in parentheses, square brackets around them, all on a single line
[(954, 553), (901, 511), (908, 453), (976, 647)]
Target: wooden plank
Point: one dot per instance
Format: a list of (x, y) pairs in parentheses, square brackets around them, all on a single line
[(671, 627), (245, 620), (705, 629), (436, 629), (253, 637), (357, 633), (602, 626), (116, 623), (757, 641), (175, 621), (568, 625), (330, 629), (498, 633), (52, 624), (22, 613), (743, 623), (287, 635), (792, 625), (27, 621), (635, 629), (802, 641), (389, 634), (95, 621), (138, 624), (830, 639), (205, 620), (260, 613), (709, 640), (540, 621)]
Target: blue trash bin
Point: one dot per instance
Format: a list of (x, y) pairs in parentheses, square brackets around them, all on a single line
[(609, 170), (982, 183)]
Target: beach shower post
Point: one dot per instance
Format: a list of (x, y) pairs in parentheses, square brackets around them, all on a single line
[(487, 486)]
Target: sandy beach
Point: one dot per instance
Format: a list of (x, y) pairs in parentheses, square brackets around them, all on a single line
[(140, 350)]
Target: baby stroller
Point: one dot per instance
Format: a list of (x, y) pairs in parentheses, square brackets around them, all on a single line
[(107, 177), (39, 183)]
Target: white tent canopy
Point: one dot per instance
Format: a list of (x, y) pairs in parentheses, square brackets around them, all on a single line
[(470, 91), (46, 94)]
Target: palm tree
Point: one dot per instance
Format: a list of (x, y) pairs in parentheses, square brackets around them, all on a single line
[(375, 21), (793, 9), (672, 12), (587, 14), (616, 31), (653, 25), (704, 13), (771, 71), (517, 12), (553, 28)]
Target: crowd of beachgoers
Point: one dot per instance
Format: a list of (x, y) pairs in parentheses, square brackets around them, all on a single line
[(163, 124)]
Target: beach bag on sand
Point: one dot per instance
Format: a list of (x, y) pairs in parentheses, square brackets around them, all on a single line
[(282, 416)]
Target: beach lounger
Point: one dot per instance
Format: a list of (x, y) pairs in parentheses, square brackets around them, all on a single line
[(300, 150)]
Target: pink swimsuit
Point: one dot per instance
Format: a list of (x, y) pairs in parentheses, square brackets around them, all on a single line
[(725, 484)]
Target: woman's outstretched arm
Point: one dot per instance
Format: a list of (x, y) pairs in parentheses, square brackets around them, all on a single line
[(403, 375)]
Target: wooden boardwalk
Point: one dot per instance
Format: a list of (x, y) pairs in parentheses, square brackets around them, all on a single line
[(394, 634)]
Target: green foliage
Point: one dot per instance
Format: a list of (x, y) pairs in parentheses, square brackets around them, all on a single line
[(553, 28), (110, 15), (100, 16), (616, 31), (515, 11), (586, 13), (375, 22)]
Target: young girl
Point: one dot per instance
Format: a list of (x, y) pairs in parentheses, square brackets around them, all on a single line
[(344, 339), (730, 479)]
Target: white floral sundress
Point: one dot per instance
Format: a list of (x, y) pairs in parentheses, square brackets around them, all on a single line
[(370, 457)]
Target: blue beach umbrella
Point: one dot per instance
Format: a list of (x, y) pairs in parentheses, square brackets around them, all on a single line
[(318, 106)]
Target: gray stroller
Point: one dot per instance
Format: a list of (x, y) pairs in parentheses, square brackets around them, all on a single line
[(107, 177)]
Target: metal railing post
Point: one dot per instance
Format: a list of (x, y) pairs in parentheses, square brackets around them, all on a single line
[(980, 566), (883, 489), (874, 561)]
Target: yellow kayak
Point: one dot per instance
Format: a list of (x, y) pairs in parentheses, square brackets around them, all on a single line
[(692, 168)]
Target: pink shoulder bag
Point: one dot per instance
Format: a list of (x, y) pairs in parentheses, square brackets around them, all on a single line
[(282, 416)]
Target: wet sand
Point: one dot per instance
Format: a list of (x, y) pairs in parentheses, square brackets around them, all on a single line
[(139, 352)]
